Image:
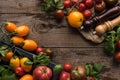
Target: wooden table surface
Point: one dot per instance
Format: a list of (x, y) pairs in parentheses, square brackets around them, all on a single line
[(68, 44)]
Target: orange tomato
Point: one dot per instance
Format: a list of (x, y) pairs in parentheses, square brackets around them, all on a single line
[(26, 77), (75, 19), (17, 40), (10, 27), (8, 56), (29, 45), (15, 61), (26, 68), (22, 31)]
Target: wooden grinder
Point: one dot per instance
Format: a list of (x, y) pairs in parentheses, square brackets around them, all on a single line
[(107, 26)]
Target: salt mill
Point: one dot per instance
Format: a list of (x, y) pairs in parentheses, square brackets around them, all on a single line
[(107, 26)]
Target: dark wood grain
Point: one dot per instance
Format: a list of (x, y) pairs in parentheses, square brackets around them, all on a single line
[(68, 44)]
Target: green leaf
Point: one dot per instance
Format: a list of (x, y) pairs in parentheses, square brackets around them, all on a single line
[(98, 67), (9, 77), (93, 73), (59, 6), (1, 69), (96, 77), (3, 47), (87, 78), (28, 62), (3, 52), (109, 43), (41, 59), (87, 69), (56, 1)]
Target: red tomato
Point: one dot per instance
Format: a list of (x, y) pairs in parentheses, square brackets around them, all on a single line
[(83, 1), (39, 50), (67, 3), (64, 76), (82, 7), (59, 14), (75, 1), (117, 57), (19, 71), (87, 14), (91, 78), (118, 44), (42, 73), (98, 1), (67, 67), (100, 7), (89, 3)]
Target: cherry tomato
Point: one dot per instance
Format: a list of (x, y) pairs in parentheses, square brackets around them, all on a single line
[(98, 1), (87, 14), (59, 14), (117, 57), (67, 67), (111, 3), (89, 3), (118, 44), (75, 1), (82, 7), (67, 3), (100, 7), (91, 78), (49, 51), (39, 50), (83, 1), (19, 71), (64, 76)]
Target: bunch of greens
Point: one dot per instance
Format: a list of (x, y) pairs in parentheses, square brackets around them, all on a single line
[(41, 59), (6, 73), (93, 70), (110, 40), (52, 5)]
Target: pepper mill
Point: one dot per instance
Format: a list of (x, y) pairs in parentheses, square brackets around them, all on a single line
[(112, 13), (107, 26)]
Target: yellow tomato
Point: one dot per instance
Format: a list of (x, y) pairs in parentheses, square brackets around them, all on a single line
[(26, 77), (75, 19), (26, 68), (15, 61)]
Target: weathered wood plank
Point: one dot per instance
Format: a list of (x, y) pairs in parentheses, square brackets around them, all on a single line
[(47, 32), (20, 6)]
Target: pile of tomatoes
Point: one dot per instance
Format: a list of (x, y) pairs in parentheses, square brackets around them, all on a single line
[(88, 9)]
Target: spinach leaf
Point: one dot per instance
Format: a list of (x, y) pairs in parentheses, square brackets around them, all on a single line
[(6, 73), (52, 5), (110, 40), (41, 59)]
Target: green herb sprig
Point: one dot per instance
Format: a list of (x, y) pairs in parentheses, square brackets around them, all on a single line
[(6, 73), (52, 5), (93, 70), (41, 59), (110, 40)]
